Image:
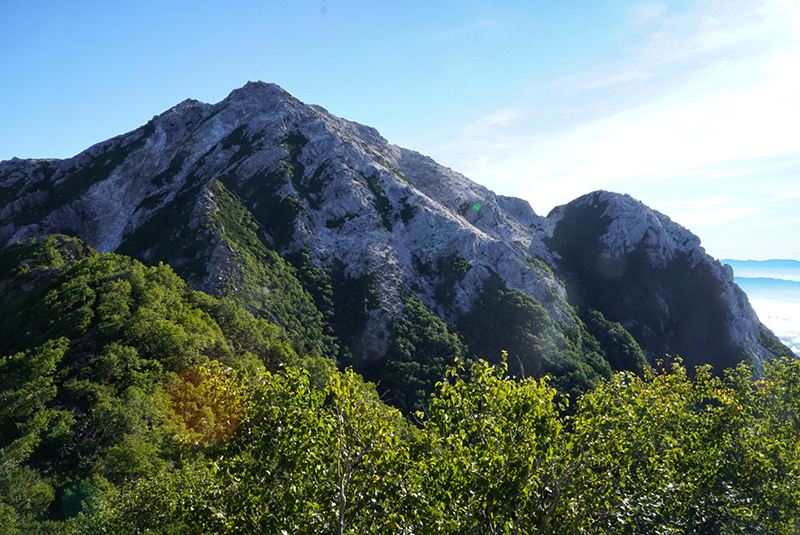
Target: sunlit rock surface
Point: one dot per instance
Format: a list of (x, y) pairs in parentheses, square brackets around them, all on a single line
[(308, 180)]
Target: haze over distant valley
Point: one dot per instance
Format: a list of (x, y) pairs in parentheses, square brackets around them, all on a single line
[(773, 287)]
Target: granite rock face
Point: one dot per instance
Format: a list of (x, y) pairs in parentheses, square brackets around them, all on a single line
[(641, 269), (305, 181)]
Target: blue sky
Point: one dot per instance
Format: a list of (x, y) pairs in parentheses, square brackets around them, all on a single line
[(691, 106)]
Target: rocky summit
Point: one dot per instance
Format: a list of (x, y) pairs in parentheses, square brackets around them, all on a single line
[(271, 201)]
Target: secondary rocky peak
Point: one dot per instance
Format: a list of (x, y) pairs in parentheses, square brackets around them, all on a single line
[(643, 270), (630, 224)]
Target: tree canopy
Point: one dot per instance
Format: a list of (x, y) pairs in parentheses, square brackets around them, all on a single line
[(131, 404)]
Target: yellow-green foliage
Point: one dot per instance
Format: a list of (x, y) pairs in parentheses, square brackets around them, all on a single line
[(204, 404), (661, 453)]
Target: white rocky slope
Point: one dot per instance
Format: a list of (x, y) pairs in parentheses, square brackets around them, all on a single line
[(354, 198)]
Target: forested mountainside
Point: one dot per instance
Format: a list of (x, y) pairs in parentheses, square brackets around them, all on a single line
[(182, 308), (133, 404)]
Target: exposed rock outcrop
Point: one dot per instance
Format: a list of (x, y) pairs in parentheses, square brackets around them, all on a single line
[(640, 268), (202, 186)]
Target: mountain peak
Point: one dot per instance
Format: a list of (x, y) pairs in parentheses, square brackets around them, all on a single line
[(259, 92), (223, 191)]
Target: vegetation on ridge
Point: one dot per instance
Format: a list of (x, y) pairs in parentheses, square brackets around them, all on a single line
[(132, 404), (91, 345)]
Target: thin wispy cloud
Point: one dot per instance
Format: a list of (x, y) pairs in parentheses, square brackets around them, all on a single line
[(645, 14), (501, 118), (709, 211), (786, 197), (709, 98)]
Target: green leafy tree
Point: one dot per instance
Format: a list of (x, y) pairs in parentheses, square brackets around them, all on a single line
[(766, 455), (311, 460), (670, 453), (492, 446)]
